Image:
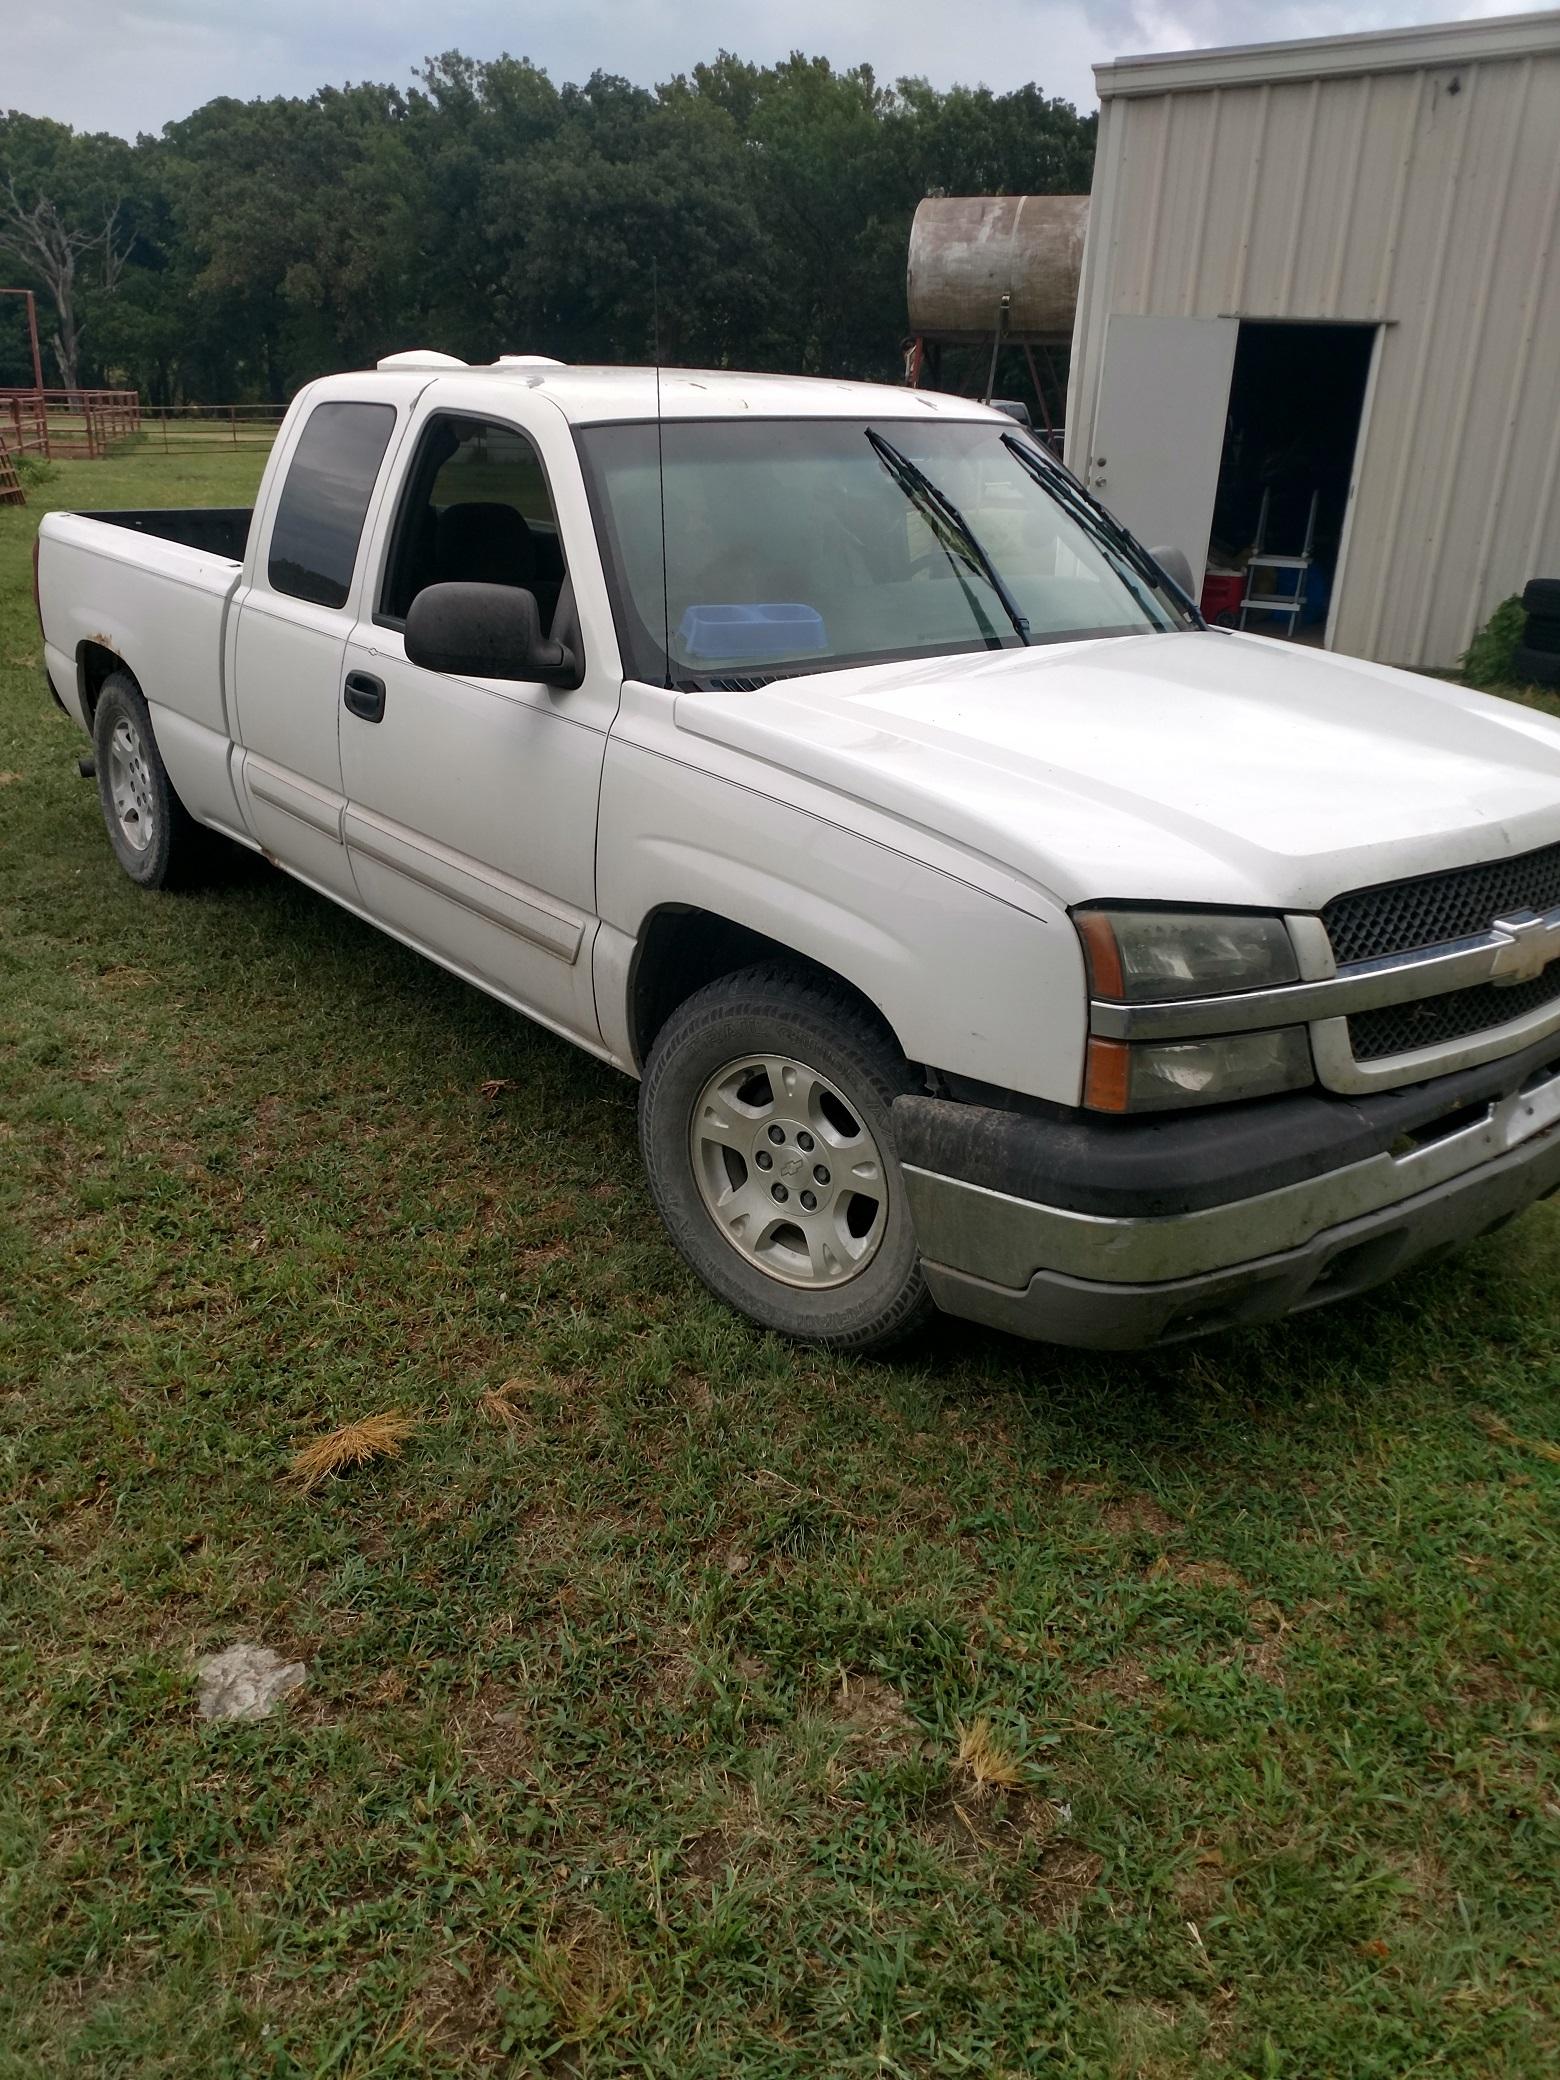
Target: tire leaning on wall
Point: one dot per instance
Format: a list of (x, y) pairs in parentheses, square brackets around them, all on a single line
[(1535, 667), (1536, 659)]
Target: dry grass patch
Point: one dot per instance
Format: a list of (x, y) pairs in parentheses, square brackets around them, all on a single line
[(984, 1762), (587, 1978), (1200, 1888), (1501, 1432), (1066, 1875), (1130, 1515), (1196, 1574), (1127, 1681), (740, 1840), (875, 1714), (503, 1404), (493, 1734), (354, 1444)]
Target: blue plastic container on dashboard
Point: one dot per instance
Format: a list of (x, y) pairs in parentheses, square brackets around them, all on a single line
[(766, 629)]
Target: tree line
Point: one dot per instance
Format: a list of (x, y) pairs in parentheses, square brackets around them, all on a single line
[(755, 216)]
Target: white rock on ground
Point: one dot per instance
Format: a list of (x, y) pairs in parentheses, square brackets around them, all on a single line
[(246, 1682)]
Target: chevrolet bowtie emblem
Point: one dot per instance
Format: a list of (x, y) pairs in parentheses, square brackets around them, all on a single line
[(1532, 942)]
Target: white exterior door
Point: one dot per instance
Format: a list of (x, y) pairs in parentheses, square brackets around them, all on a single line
[(470, 816), (1159, 429), (471, 825), (291, 620)]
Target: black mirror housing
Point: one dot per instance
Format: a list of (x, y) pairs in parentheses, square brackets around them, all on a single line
[(485, 632)]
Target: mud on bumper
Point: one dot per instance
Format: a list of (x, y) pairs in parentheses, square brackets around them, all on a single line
[(1113, 1236)]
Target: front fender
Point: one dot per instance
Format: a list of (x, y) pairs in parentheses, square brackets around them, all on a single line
[(971, 983)]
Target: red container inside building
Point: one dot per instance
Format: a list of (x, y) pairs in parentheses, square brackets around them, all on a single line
[(1222, 594)]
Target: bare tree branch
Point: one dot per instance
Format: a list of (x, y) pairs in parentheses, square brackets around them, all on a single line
[(116, 246), (38, 236)]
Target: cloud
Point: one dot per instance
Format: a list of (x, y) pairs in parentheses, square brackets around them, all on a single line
[(105, 65)]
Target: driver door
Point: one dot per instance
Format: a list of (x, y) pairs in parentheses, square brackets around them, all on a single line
[(471, 803)]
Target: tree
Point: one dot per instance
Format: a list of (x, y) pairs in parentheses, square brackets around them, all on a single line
[(62, 205), (483, 209)]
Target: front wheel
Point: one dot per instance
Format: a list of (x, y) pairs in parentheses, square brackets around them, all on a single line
[(766, 1121)]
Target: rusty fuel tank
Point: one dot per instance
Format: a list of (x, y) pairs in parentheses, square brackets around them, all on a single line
[(968, 251)]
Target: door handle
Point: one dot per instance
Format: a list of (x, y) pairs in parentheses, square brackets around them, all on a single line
[(364, 696)]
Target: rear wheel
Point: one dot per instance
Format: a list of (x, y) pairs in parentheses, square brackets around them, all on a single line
[(766, 1121), (155, 839)]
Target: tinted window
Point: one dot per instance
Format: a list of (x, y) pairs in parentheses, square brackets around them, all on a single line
[(475, 507), (320, 518)]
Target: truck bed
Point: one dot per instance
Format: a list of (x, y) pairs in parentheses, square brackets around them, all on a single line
[(154, 589), (217, 530)]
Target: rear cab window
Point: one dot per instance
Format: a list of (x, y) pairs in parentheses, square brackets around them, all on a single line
[(325, 499)]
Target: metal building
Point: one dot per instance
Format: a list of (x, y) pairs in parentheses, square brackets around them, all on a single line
[(1321, 290)]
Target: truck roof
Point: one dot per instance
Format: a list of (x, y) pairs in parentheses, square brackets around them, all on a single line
[(588, 396)]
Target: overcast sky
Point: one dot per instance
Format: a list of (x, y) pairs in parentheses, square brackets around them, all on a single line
[(133, 65)]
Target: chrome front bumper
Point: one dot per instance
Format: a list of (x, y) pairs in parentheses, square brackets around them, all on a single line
[(1117, 1282)]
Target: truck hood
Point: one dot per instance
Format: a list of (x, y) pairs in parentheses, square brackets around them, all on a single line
[(1201, 767)]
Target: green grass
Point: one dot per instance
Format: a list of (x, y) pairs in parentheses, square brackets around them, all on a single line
[(630, 1742)]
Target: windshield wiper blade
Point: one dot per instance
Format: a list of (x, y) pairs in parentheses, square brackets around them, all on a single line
[(919, 485), (1070, 495)]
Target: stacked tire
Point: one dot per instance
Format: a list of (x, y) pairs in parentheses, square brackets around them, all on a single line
[(1537, 657)]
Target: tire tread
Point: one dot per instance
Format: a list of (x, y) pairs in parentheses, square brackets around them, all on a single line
[(180, 848), (766, 991)]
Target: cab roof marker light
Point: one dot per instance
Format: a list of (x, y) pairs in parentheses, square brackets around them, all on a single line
[(420, 357)]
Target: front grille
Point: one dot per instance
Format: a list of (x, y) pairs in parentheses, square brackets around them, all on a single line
[(1370, 923), (1439, 1021)]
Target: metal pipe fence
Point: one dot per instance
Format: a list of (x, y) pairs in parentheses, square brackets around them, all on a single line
[(195, 429), (24, 422), (77, 425), (73, 424)]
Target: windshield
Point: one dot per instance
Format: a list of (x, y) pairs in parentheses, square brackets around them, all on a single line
[(808, 543)]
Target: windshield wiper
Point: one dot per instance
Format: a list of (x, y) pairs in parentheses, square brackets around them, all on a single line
[(921, 491), (1061, 485)]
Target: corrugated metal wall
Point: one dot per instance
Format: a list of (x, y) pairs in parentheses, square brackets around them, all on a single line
[(1427, 199)]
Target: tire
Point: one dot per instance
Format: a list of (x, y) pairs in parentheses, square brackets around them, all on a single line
[(1535, 667), (1541, 598), (154, 837), (719, 1138), (1542, 636)]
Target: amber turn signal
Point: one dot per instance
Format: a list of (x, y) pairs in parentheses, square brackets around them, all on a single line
[(1107, 1076), (1101, 952)]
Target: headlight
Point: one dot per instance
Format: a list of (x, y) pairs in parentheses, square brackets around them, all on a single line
[(1142, 956), (1160, 956), (1213, 1071)]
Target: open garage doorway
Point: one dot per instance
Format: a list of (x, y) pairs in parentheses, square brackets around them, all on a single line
[(1297, 400)]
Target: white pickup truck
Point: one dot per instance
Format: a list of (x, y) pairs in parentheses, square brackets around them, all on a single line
[(984, 930)]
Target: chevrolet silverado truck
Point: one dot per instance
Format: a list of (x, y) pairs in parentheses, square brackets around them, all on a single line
[(984, 930)]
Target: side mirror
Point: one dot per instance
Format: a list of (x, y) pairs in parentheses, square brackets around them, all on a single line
[(485, 632), (1177, 570)]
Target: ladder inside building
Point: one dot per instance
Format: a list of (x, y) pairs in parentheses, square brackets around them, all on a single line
[(1293, 569)]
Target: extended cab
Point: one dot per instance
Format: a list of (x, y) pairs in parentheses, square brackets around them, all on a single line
[(984, 930)]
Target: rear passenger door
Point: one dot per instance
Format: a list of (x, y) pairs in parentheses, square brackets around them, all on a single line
[(291, 622), (471, 803)]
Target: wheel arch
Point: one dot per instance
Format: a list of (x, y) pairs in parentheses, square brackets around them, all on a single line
[(681, 948), (96, 661)]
